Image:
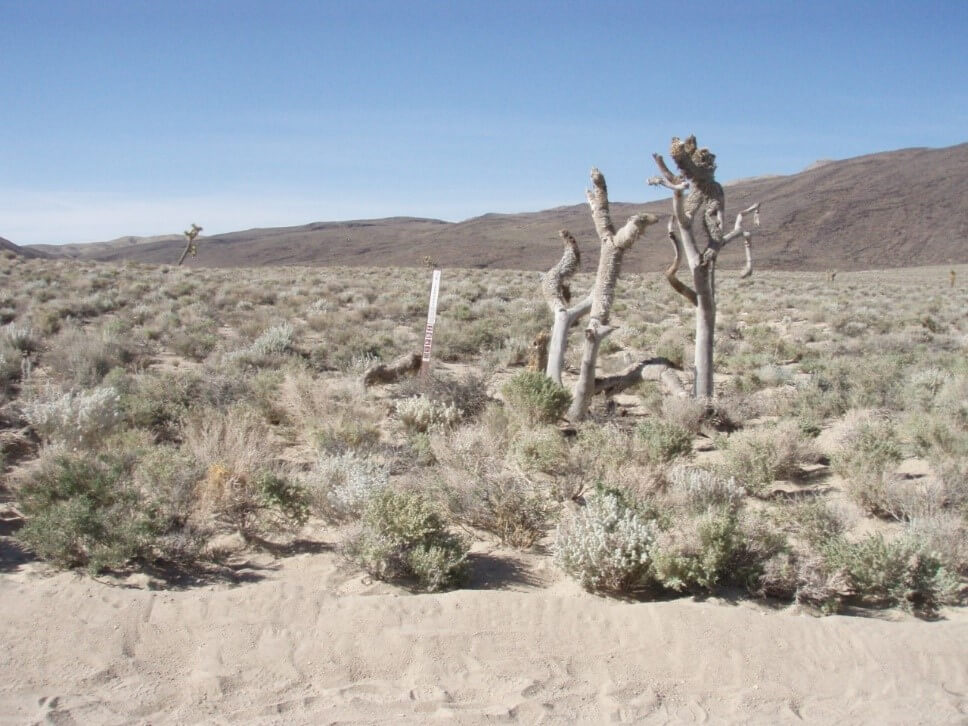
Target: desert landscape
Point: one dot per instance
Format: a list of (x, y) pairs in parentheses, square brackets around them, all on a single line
[(338, 386), (209, 517)]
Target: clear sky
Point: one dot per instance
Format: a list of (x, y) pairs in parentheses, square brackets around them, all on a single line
[(136, 117)]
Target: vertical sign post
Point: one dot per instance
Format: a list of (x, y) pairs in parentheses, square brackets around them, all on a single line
[(431, 320)]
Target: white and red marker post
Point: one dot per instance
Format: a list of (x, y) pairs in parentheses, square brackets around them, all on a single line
[(431, 321)]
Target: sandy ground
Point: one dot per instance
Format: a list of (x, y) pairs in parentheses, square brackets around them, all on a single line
[(300, 641)]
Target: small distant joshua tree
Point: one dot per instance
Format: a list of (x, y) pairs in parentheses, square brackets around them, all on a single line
[(706, 198), (952, 278), (555, 285), (191, 248)]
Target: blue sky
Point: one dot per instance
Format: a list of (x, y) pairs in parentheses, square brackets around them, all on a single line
[(132, 117)]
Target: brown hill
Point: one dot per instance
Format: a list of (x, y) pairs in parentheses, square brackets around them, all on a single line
[(9, 246), (893, 209)]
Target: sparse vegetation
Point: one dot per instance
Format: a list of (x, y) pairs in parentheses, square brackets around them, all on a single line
[(148, 412)]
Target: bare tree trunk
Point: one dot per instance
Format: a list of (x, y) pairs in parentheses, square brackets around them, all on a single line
[(557, 291), (707, 200), (705, 329), (614, 244)]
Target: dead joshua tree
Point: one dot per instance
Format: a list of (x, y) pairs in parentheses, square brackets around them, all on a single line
[(599, 302), (557, 291), (705, 198), (190, 246)]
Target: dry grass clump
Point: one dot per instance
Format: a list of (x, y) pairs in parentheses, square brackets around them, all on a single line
[(244, 485), (867, 458), (482, 490), (758, 457), (83, 358)]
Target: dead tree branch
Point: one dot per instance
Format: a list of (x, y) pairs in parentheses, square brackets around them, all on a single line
[(614, 244), (556, 286)]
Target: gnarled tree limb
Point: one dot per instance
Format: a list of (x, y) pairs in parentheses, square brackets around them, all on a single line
[(614, 245), (649, 369), (555, 284), (671, 273)]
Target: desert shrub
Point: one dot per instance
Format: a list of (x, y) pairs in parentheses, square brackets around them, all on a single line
[(84, 357), (539, 449), (468, 392), (81, 511), (607, 545), (403, 536), (456, 342), (284, 498), (160, 402), (697, 489), (672, 344), (75, 418), (252, 503), (242, 487), (895, 572), (535, 398), (664, 441), (345, 482), (922, 386), (420, 413), (267, 350), (481, 491), (10, 365), (952, 401), (346, 433), (518, 511), (20, 338), (697, 550), (194, 340), (870, 451), (165, 478), (945, 536), (274, 341), (813, 521), (685, 412), (758, 457)]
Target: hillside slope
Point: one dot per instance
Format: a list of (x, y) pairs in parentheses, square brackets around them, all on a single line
[(892, 209), (7, 245)]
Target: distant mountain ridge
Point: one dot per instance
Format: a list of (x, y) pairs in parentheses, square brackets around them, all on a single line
[(29, 252), (891, 209)]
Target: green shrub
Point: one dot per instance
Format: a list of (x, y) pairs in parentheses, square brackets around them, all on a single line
[(536, 398), (607, 546), (897, 572), (696, 552), (402, 536), (664, 441), (82, 511)]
